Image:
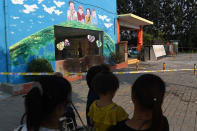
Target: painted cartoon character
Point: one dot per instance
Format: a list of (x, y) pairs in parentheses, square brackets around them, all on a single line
[(71, 13), (94, 20), (60, 46), (66, 42), (88, 16), (80, 15)]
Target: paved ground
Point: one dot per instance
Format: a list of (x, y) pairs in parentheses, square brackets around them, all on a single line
[(180, 104)]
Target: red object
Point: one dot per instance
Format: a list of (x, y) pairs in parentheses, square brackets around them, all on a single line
[(26, 87), (118, 31), (120, 66), (80, 17), (140, 38)]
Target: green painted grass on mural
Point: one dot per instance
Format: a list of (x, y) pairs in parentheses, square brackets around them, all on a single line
[(109, 45), (75, 24), (31, 45)]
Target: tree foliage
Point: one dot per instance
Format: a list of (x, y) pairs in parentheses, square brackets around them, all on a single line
[(176, 19)]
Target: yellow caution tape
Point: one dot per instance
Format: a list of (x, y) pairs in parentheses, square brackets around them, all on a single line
[(83, 73)]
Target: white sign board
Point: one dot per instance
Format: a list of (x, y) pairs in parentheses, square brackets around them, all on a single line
[(159, 50)]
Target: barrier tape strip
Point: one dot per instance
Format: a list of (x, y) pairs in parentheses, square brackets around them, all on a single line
[(83, 73)]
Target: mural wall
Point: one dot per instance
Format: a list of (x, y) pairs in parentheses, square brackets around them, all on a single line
[(30, 27), (3, 65)]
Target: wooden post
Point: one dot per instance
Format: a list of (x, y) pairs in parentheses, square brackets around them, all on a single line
[(174, 57), (195, 69), (164, 67), (190, 57), (137, 66)]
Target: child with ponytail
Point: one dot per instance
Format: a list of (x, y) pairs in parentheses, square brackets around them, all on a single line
[(147, 95), (45, 104)]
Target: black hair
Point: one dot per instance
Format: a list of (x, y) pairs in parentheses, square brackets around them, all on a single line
[(95, 70), (89, 10), (71, 2), (148, 90), (42, 101), (105, 82)]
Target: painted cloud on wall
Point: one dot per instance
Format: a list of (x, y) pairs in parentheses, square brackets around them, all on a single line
[(15, 18), (105, 18), (108, 20), (102, 17), (13, 25), (58, 12), (40, 1), (59, 3), (41, 16), (50, 10), (20, 2), (30, 8), (108, 25)]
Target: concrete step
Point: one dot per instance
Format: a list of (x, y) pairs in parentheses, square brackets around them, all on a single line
[(7, 89), (4, 95)]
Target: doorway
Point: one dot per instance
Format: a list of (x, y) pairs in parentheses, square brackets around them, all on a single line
[(78, 43), (77, 49)]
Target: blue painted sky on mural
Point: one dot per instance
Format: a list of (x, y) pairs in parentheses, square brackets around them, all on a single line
[(29, 16)]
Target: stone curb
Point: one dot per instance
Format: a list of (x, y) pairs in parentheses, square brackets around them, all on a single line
[(15, 90)]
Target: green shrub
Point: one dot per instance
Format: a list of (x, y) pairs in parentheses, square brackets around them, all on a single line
[(147, 38), (38, 65), (117, 57)]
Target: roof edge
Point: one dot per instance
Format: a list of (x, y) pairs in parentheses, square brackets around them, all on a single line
[(137, 17)]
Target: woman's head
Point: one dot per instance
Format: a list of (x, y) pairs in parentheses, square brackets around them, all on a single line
[(93, 71), (88, 12), (46, 100), (148, 94), (105, 83)]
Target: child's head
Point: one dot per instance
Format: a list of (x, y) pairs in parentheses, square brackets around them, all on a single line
[(80, 10), (93, 71), (94, 13), (105, 83), (88, 12), (46, 101), (148, 94)]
